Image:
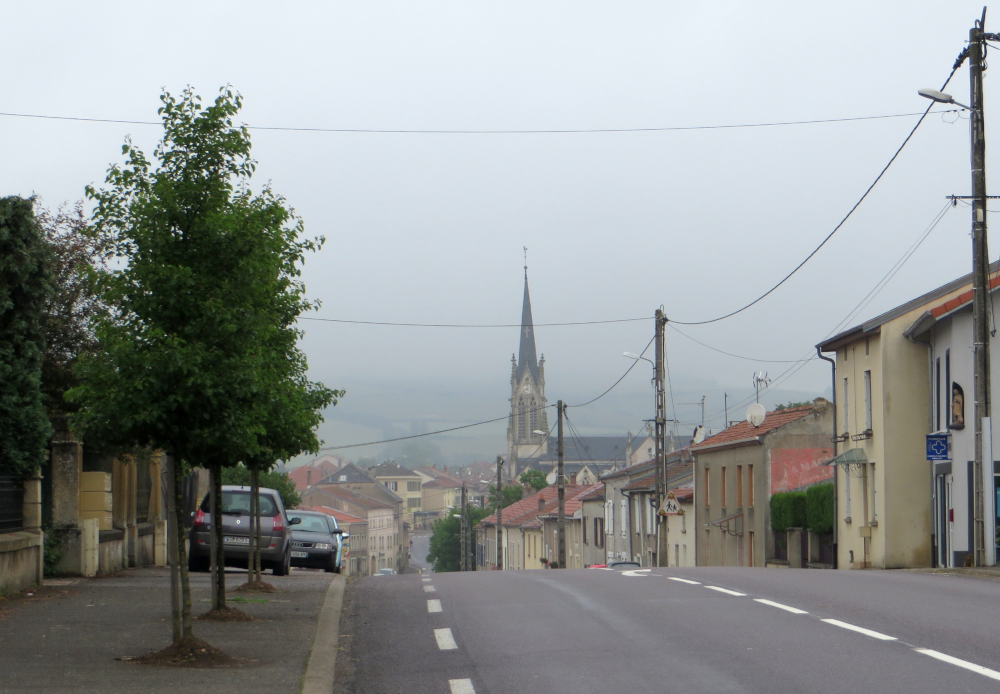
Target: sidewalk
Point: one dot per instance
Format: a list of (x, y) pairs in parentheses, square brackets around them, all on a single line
[(67, 638)]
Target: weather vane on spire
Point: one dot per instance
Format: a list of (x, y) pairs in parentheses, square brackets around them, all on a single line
[(525, 262)]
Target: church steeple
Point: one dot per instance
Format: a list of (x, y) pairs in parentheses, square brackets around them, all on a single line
[(527, 359)]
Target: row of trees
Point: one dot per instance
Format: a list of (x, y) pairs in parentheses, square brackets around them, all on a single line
[(183, 335)]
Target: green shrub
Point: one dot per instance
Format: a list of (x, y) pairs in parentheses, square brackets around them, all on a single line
[(819, 508), (788, 510)]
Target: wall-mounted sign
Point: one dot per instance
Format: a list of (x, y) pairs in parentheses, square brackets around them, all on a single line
[(937, 447)]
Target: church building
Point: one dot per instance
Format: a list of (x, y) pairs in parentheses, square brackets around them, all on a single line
[(527, 396)]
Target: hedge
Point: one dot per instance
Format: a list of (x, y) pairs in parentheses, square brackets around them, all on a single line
[(788, 510), (819, 508)]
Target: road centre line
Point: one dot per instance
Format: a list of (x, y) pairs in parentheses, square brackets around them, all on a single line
[(684, 580), (461, 687), (860, 630), (726, 591), (787, 608), (430, 589), (445, 639), (979, 669), (434, 606)]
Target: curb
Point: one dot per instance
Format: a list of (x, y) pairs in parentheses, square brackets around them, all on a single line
[(322, 666)]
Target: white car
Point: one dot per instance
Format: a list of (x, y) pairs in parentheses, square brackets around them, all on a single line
[(385, 572)]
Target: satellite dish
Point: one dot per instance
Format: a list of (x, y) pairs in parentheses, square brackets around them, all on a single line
[(699, 434), (551, 477), (756, 414)]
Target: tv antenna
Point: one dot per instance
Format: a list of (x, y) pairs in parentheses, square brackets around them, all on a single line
[(760, 381)]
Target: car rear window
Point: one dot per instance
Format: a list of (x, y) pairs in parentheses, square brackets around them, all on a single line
[(239, 502), (316, 524)]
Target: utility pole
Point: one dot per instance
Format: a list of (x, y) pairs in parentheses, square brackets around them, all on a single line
[(499, 532), (463, 564), (661, 429), (980, 272), (561, 482)]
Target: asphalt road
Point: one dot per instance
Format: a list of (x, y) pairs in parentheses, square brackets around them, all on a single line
[(719, 630), (421, 546)]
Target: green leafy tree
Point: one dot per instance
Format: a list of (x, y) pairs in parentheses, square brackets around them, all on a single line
[(534, 479), (446, 541), (512, 493), (204, 290), (25, 286), (779, 408)]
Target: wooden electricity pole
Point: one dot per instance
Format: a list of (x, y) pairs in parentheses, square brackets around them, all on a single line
[(499, 532), (661, 430), (463, 563), (561, 482)]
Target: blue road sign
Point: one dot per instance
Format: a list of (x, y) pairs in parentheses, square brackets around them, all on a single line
[(937, 447)]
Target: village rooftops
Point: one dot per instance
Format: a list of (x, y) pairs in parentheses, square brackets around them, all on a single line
[(352, 496), (745, 434), (528, 508), (391, 470), (342, 518), (349, 474)]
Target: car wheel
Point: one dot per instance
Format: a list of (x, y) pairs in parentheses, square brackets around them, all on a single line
[(332, 567), (283, 567)]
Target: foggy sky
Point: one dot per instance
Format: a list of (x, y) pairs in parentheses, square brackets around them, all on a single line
[(430, 228)]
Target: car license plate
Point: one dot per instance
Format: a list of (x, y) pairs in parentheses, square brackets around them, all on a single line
[(301, 555), (231, 540)]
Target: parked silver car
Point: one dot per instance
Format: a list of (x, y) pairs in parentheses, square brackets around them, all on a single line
[(275, 531)]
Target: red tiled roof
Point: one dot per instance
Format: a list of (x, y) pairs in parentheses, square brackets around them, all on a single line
[(960, 300), (683, 493), (527, 509), (349, 495), (596, 493), (744, 433), (645, 482)]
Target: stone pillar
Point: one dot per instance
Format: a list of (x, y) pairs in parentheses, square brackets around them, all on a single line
[(67, 463), (131, 529), (90, 548), (32, 519), (794, 548)]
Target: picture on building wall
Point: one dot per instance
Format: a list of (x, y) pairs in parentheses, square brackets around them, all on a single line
[(957, 407)]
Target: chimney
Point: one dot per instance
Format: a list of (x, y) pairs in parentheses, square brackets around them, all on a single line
[(444, 468), (820, 404), (541, 503)]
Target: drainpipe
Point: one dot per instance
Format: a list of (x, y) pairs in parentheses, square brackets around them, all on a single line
[(836, 507), (930, 427)]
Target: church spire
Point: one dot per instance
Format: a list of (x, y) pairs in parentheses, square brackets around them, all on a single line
[(527, 359)]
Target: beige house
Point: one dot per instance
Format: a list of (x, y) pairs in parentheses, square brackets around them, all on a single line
[(738, 469), (405, 483), (592, 504), (883, 396), (385, 542)]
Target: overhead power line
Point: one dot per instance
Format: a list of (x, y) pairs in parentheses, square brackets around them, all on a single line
[(471, 325), (566, 131), (836, 228)]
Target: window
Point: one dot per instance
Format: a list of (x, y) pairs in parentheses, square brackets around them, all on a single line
[(749, 485), (722, 487), (750, 546), (947, 389), (413, 486), (391, 485), (522, 420), (739, 486), (637, 518), (868, 400), (867, 341), (847, 412), (707, 502), (585, 530), (533, 418), (343, 478), (649, 517), (624, 525), (609, 515), (413, 502)]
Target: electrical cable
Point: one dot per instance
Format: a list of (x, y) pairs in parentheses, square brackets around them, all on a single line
[(583, 131), (836, 228), (619, 380), (730, 354), (471, 325)]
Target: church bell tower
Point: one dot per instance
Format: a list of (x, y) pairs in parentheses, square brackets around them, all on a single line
[(527, 395)]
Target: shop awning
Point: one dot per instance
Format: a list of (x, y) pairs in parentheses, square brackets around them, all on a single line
[(851, 456)]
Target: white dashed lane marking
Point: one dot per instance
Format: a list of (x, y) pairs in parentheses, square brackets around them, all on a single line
[(445, 639), (430, 589), (461, 687), (787, 608), (426, 580), (726, 591), (684, 580), (860, 630), (979, 669), (434, 606)]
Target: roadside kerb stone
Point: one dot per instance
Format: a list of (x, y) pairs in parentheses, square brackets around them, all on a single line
[(322, 666)]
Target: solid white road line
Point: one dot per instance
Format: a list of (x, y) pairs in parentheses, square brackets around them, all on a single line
[(446, 642), (434, 606), (461, 687), (430, 589), (725, 590), (793, 610), (860, 630), (986, 672), (684, 580)]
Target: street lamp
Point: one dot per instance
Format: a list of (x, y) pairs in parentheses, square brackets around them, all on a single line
[(940, 97)]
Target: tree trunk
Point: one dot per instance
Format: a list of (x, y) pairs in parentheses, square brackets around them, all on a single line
[(213, 545), (255, 492), (218, 556), (173, 532), (253, 534), (182, 555)]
